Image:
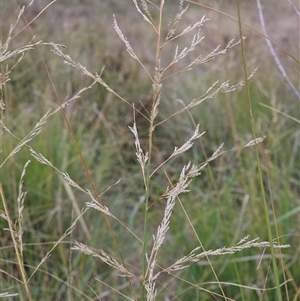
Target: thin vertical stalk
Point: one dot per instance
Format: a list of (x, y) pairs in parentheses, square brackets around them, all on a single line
[(263, 195), (18, 251), (155, 96)]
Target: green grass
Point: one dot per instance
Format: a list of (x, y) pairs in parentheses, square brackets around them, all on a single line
[(224, 203)]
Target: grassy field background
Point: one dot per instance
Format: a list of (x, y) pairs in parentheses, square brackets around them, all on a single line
[(224, 203)]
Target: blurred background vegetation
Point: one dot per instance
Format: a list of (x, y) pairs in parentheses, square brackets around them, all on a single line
[(224, 203)]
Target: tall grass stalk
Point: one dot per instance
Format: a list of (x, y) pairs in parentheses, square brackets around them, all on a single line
[(262, 188), (16, 231)]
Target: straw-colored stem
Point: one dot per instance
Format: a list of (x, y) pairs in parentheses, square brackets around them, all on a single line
[(18, 250)]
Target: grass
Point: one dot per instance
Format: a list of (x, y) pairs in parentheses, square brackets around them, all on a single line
[(91, 141)]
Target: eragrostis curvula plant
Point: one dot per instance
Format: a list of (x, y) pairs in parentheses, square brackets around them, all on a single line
[(150, 272)]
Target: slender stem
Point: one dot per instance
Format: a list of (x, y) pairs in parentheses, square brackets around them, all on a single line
[(18, 250), (263, 195), (155, 96)]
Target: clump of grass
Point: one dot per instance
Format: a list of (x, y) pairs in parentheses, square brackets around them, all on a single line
[(148, 273)]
